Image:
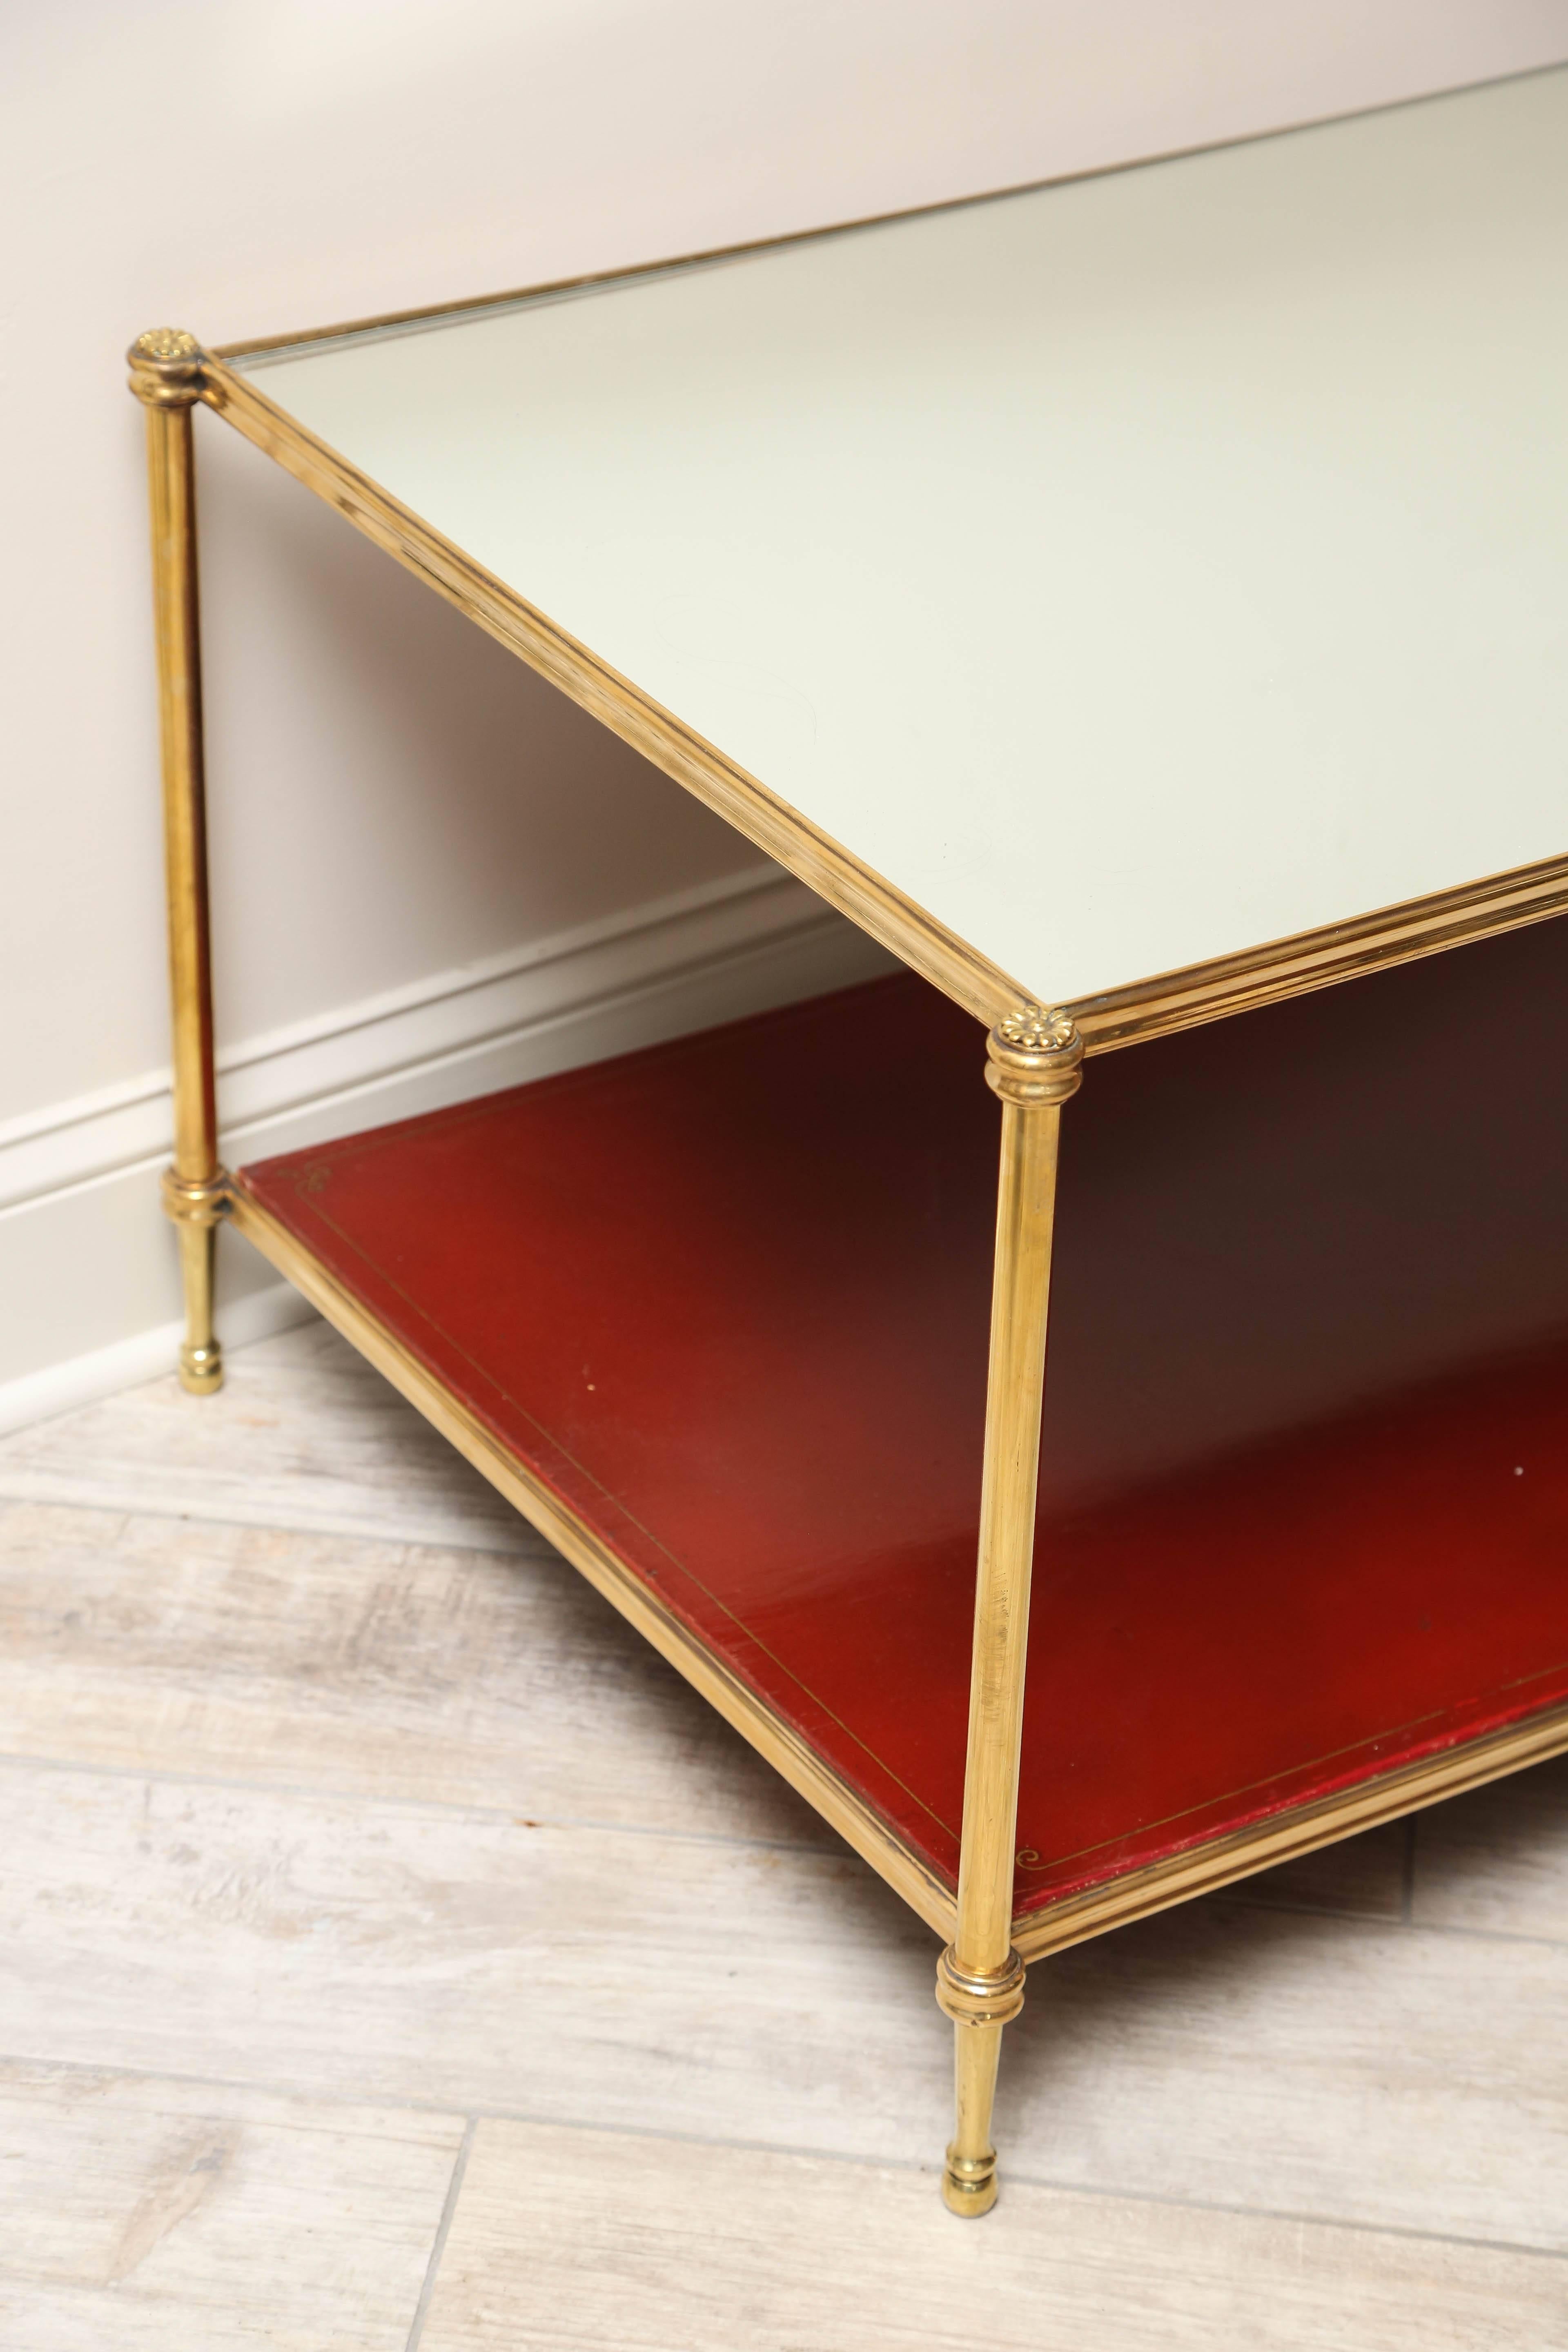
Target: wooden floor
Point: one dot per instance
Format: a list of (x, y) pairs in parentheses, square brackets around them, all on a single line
[(393, 1953)]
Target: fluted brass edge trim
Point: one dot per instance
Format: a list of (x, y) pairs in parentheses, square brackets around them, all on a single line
[(1242, 1852), (776, 1741), (1312, 960)]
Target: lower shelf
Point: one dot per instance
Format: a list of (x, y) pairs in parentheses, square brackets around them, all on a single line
[(715, 1314)]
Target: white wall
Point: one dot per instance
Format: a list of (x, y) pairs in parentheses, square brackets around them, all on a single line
[(395, 800)]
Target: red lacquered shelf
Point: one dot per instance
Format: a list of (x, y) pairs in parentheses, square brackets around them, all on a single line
[(723, 1304)]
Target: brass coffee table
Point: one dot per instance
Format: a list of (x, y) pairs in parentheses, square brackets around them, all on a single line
[(1135, 602)]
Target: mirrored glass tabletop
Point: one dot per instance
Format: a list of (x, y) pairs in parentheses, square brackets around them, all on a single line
[(1127, 571)]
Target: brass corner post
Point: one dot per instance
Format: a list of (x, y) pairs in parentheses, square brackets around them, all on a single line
[(1035, 1064), (167, 377)]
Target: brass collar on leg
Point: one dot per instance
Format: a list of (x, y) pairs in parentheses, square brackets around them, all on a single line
[(196, 1200), (994, 1999)]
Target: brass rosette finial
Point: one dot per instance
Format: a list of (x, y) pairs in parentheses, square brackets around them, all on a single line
[(1035, 1057), (166, 368)]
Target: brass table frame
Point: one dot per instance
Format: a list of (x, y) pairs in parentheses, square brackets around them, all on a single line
[(1035, 1058)]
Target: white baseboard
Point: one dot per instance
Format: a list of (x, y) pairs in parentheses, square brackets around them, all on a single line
[(87, 1265), (496, 1013), (146, 1356)]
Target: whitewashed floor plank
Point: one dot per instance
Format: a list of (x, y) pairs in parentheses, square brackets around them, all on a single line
[(376, 1950), (1498, 1859), (1222, 2055), (569, 2238), (323, 1661), (141, 2216), (304, 1433), (1305, 2064)]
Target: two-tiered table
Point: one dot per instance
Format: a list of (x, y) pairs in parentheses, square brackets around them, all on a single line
[(1135, 602)]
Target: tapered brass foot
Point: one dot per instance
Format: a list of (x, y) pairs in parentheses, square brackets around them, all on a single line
[(969, 2183), (979, 2006), (201, 1368), (196, 1205)]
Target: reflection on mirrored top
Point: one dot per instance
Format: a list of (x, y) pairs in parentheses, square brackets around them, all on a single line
[(1127, 571)]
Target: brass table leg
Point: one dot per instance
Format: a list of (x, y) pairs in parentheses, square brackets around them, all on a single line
[(166, 376), (1034, 1064)]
